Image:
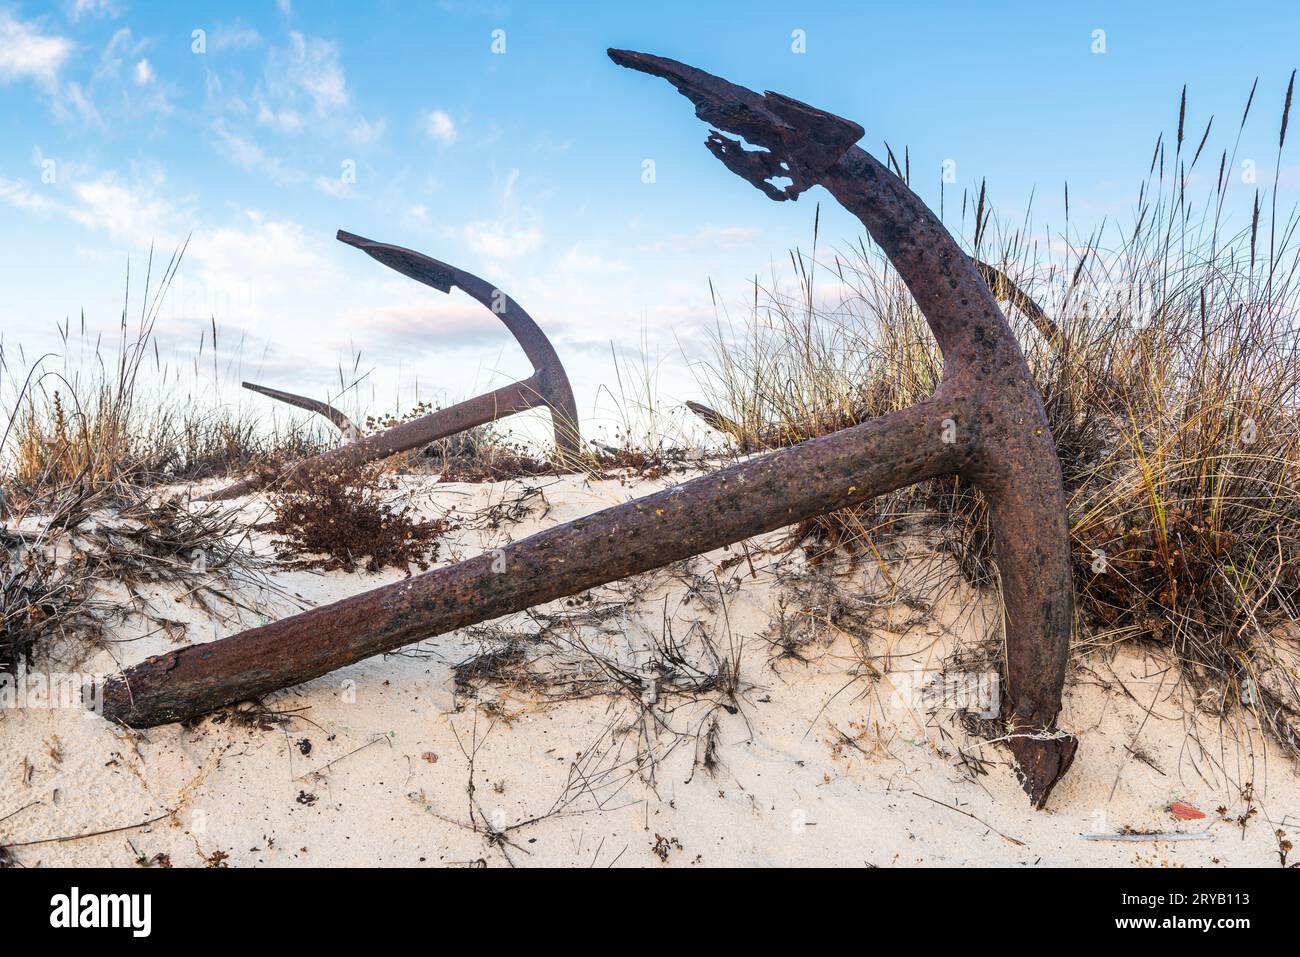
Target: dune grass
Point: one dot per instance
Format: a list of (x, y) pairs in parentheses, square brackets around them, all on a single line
[(91, 435), (99, 414), (1167, 353)]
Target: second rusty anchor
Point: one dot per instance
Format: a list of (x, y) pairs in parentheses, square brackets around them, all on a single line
[(548, 387)]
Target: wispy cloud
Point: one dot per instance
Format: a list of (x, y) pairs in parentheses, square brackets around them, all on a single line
[(27, 53), (716, 237), (19, 193), (502, 239), (440, 126), (81, 9), (308, 68), (121, 84), (135, 215), (256, 265), (435, 326), (364, 131), (285, 121), (512, 234), (123, 47), (233, 36), (100, 204), (73, 103), (248, 155), (302, 92), (275, 256), (334, 186)]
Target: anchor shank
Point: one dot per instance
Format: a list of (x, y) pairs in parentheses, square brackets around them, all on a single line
[(760, 495)]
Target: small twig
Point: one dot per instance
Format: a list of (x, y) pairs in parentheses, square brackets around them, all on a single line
[(79, 837), (1154, 836), (326, 767), (19, 811), (1005, 837)]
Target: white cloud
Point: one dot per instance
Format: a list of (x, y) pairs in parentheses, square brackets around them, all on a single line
[(334, 186), (302, 91), (507, 236), (267, 253), (135, 215), (286, 121), (440, 126), (25, 52), (17, 192), (500, 239), (242, 152), (123, 46), (308, 67), (581, 258), (726, 235), (103, 204), (250, 156), (250, 269), (75, 98), (93, 8), (122, 87), (363, 131), (235, 36)]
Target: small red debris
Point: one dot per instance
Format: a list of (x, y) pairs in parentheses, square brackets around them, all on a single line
[(1185, 812)]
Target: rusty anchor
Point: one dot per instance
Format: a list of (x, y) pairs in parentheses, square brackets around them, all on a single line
[(984, 422), (337, 416), (547, 387)]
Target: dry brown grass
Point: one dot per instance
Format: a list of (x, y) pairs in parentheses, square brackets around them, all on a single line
[(99, 413), (91, 435), (1171, 388)]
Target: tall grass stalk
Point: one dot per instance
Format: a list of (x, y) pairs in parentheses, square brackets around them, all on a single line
[(1170, 381)]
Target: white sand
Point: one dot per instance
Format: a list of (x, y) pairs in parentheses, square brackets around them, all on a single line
[(386, 777)]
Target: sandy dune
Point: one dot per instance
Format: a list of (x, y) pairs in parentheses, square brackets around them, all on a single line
[(826, 754)]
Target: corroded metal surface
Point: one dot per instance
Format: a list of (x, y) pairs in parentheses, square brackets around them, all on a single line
[(547, 387), (1007, 448), (984, 422), (341, 422)]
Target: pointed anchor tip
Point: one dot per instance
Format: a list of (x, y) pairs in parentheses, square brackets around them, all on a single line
[(645, 62), (1042, 762), (352, 239)]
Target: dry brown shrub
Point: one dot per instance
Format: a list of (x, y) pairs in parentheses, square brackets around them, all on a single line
[(333, 517)]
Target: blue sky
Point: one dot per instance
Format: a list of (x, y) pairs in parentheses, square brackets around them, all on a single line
[(119, 128)]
